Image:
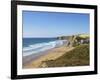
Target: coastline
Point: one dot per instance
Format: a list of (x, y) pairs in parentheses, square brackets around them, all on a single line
[(52, 54)]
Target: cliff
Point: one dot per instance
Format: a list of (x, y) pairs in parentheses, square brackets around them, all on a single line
[(75, 40)]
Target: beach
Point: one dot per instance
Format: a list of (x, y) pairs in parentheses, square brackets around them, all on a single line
[(48, 55)]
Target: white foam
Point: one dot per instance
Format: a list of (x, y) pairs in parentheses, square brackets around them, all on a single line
[(36, 48)]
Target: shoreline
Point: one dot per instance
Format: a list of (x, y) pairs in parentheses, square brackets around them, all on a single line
[(35, 61)]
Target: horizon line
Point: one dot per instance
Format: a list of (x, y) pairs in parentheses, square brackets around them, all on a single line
[(54, 36)]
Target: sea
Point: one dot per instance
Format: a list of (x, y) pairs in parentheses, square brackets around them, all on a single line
[(38, 45)]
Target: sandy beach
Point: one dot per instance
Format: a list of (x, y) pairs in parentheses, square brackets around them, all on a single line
[(49, 55)]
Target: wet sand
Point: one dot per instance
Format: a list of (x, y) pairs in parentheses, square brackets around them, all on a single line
[(35, 61)]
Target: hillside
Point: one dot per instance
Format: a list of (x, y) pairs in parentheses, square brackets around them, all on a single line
[(79, 56)]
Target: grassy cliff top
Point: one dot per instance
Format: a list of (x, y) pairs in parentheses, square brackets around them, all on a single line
[(77, 35), (84, 35)]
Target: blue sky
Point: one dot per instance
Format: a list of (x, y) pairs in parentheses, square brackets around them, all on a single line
[(51, 24)]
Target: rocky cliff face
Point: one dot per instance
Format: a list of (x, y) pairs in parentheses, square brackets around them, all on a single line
[(74, 40)]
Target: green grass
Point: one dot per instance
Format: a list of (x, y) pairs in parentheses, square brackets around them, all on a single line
[(84, 35), (79, 56)]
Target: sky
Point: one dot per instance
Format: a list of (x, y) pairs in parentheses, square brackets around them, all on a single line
[(54, 24)]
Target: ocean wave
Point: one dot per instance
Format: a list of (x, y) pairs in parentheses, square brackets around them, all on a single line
[(37, 48)]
